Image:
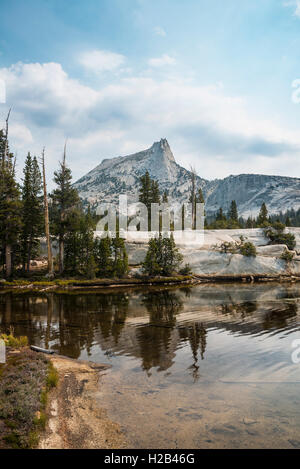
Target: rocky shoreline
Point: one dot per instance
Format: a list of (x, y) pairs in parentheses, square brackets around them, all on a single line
[(75, 419)]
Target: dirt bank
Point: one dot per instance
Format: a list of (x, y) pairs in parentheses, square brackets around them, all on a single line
[(75, 419)]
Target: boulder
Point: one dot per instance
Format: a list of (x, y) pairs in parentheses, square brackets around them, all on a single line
[(275, 250)]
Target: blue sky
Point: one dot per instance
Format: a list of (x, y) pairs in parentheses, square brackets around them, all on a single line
[(214, 77)]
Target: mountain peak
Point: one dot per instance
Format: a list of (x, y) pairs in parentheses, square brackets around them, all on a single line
[(121, 175), (162, 149)]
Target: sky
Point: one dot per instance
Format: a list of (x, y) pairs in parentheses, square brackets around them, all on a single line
[(219, 79)]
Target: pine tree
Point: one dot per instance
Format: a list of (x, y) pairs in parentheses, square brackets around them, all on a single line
[(192, 199), (220, 215), (165, 199), (103, 258), (149, 193), (233, 212), (32, 210), (171, 258), (10, 205), (249, 223), (65, 199), (119, 257), (200, 197), (87, 251), (73, 245), (46, 219), (163, 257), (145, 190), (288, 221), (262, 219), (155, 193)]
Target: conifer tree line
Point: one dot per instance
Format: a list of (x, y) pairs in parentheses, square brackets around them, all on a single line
[(149, 193), (27, 213), (232, 220)]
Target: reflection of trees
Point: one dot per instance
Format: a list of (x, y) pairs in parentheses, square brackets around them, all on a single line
[(81, 317), (196, 336), (240, 310), (155, 338), (71, 322), (113, 312), (278, 316), (162, 307)]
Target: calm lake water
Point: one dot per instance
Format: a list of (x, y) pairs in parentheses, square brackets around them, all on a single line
[(201, 367)]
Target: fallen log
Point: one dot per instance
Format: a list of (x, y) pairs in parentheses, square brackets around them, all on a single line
[(41, 350)]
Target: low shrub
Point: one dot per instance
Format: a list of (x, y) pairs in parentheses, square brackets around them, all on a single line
[(246, 248), (52, 378), (287, 255), (15, 342), (186, 270), (276, 235)]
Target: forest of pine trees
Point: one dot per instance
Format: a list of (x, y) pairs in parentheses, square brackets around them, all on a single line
[(28, 212)]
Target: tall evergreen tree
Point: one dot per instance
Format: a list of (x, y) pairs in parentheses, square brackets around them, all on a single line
[(145, 190), (32, 210), (220, 215), (102, 255), (233, 212), (87, 251), (10, 205), (149, 193), (119, 257), (192, 199), (65, 199), (263, 215)]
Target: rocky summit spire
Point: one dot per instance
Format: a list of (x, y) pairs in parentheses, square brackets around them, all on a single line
[(121, 175), (161, 151)]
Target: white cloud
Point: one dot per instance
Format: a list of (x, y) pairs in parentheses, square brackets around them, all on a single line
[(295, 4), (296, 92), (204, 125), (99, 61), (162, 61), (159, 31)]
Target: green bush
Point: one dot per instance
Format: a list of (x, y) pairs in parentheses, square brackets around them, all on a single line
[(277, 236), (52, 378), (12, 341), (287, 255), (186, 270), (162, 258), (248, 249)]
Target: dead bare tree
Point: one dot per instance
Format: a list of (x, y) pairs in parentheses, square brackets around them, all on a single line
[(5, 162), (46, 211), (5, 155), (193, 195)]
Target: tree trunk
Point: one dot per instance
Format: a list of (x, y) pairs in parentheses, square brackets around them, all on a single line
[(8, 260), (61, 255), (29, 255), (46, 210)]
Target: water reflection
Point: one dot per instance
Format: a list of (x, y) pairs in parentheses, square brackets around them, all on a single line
[(149, 325)]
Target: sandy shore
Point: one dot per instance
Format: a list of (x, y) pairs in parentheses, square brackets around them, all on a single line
[(75, 419)]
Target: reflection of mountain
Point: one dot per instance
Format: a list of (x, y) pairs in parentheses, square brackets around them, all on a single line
[(151, 325)]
